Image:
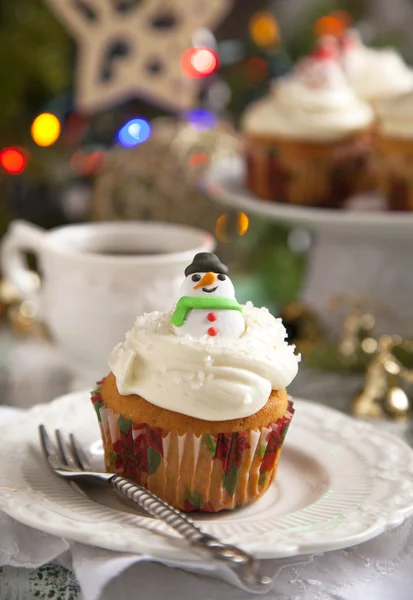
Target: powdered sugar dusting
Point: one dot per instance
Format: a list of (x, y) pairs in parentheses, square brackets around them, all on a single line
[(212, 378)]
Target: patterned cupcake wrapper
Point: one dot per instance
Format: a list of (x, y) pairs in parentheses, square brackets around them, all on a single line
[(325, 179), (395, 179), (205, 473)]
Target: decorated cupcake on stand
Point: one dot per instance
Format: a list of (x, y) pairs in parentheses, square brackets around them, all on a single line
[(376, 74), (394, 151), (308, 142), (195, 407)]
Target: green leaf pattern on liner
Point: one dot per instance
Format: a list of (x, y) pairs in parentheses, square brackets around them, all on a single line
[(262, 478), (112, 457), (154, 460), (284, 432), (210, 442), (230, 479), (124, 424), (195, 499), (97, 406), (261, 449)]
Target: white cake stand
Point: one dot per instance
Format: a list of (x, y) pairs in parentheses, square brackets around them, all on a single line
[(362, 250)]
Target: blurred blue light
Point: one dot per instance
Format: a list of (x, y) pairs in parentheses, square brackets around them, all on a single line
[(201, 119), (135, 131)]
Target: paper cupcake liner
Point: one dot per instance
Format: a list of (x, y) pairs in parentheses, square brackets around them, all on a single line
[(309, 174), (394, 160), (205, 473)]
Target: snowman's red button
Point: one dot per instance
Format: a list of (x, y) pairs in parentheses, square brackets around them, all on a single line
[(212, 316), (212, 331)]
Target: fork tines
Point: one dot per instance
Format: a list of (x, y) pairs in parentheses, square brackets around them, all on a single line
[(62, 454)]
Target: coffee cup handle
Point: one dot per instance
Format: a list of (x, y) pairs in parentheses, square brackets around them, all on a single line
[(21, 237)]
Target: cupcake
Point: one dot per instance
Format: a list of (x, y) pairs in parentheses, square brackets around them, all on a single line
[(195, 407), (375, 74), (308, 142), (394, 151)]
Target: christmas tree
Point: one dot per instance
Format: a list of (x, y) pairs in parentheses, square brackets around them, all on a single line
[(55, 143)]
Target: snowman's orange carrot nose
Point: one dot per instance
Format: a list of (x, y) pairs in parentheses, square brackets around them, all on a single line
[(207, 279)]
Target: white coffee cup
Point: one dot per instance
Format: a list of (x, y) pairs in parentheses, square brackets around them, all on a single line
[(97, 278)]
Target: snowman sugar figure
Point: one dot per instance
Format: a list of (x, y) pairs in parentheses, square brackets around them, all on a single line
[(207, 306)]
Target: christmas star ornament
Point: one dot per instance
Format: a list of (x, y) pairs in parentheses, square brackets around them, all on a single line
[(134, 49)]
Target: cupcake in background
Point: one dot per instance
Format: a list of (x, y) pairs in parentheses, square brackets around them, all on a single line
[(308, 141), (195, 407), (376, 74), (394, 151)]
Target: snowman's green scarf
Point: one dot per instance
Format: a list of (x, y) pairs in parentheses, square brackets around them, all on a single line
[(187, 303)]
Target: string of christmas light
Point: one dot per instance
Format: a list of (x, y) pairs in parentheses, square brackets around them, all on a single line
[(197, 62), (12, 160), (45, 129), (264, 29)]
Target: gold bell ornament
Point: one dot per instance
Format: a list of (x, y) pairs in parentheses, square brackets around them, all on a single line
[(358, 325), (21, 314), (304, 328), (382, 395)]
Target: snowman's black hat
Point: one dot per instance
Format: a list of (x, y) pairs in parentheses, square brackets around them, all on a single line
[(204, 262)]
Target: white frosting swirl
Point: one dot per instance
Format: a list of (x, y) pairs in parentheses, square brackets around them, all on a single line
[(376, 74), (214, 379), (313, 103), (396, 117)]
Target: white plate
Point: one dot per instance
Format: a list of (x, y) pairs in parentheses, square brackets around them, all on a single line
[(340, 482), (225, 183)]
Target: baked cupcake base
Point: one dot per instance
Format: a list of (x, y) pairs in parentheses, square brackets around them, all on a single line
[(190, 463), (308, 173), (394, 161)]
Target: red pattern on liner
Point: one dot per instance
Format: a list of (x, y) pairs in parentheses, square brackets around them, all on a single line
[(139, 452), (126, 455)]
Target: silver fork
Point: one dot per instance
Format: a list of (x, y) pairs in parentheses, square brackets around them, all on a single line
[(67, 460)]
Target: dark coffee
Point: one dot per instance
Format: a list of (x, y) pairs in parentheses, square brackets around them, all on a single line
[(115, 252)]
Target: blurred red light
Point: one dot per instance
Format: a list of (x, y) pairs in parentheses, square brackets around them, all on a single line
[(92, 163), (199, 62), (12, 160), (256, 69), (343, 17), (198, 159), (329, 25), (76, 160)]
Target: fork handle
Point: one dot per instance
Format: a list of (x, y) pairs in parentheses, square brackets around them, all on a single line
[(235, 557)]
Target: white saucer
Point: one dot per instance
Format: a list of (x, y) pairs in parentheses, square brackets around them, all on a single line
[(340, 483)]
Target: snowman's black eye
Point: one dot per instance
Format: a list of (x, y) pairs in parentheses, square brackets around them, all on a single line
[(222, 277), (196, 277)]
